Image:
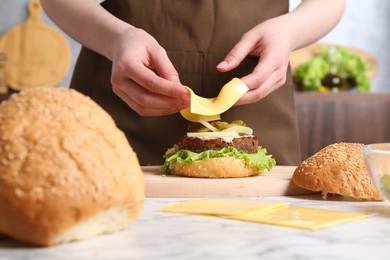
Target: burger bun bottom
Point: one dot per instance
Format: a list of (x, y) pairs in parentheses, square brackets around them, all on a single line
[(224, 167)]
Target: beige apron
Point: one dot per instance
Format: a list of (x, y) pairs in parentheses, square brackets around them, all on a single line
[(197, 35)]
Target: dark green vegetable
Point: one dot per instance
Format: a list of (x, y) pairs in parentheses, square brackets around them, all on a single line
[(260, 160), (332, 64)]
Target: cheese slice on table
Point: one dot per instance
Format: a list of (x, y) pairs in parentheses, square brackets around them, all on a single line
[(265, 212), (303, 218), (209, 109), (223, 207)]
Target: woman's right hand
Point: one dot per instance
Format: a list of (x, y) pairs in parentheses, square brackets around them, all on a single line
[(133, 52), (150, 93)]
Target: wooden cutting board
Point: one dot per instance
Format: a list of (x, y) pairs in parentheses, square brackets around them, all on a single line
[(36, 54), (277, 182)]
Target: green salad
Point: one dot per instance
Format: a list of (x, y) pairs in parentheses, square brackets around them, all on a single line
[(334, 68), (260, 160)]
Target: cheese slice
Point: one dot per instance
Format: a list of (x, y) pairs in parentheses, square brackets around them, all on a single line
[(209, 109), (265, 212), (186, 113), (223, 207), (302, 218)]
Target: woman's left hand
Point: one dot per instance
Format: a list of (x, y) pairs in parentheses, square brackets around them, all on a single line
[(270, 41), (273, 40)]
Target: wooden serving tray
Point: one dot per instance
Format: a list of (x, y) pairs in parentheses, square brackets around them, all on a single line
[(277, 182), (36, 54)]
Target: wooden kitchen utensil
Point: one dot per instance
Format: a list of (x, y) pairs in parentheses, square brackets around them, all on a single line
[(277, 182), (3, 84), (36, 54)]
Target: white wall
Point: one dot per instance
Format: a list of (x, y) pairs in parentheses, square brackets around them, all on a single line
[(365, 25)]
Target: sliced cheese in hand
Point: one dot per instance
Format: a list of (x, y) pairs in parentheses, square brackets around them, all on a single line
[(209, 109), (186, 113), (223, 207), (303, 218)]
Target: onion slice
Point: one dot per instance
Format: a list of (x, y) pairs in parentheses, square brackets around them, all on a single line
[(208, 125), (239, 129), (213, 134)]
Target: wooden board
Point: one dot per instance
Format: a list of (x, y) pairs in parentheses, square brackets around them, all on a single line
[(36, 55), (277, 182)]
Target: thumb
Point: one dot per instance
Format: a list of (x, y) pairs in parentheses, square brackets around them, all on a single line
[(165, 68), (170, 74)]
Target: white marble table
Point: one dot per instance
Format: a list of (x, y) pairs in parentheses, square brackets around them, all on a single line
[(157, 235)]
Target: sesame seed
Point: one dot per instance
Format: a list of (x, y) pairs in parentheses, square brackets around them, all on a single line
[(19, 193)]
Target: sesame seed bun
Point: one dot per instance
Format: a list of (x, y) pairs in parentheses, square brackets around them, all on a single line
[(66, 171), (338, 169), (224, 167)]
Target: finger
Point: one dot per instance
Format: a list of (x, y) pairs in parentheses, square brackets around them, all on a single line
[(237, 54), (146, 78), (164, 67), (268, 64), (147, 99), (257, 94), (141, 102), (276, 80)]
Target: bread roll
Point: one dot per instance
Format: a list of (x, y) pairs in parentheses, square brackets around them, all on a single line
[(224, 167), (66, 171), (339, 169)]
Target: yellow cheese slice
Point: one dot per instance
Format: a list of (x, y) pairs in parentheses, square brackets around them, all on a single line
[(223, 207), (209, 109), (186, 113), (386, 181), (265, 212), (302, 218)]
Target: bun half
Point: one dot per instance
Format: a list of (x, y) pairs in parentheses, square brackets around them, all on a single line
[(338, 169), (66, 171), (224, 167)]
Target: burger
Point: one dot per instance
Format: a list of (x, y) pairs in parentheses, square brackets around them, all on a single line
[(217, 149)]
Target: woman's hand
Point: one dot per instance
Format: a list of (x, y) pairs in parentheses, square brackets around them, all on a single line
[(270, 42), (149, 93), (274, 39), (134, 54)]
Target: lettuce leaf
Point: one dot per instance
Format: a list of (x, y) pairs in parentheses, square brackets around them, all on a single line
[(260, 160), (336, 60)]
